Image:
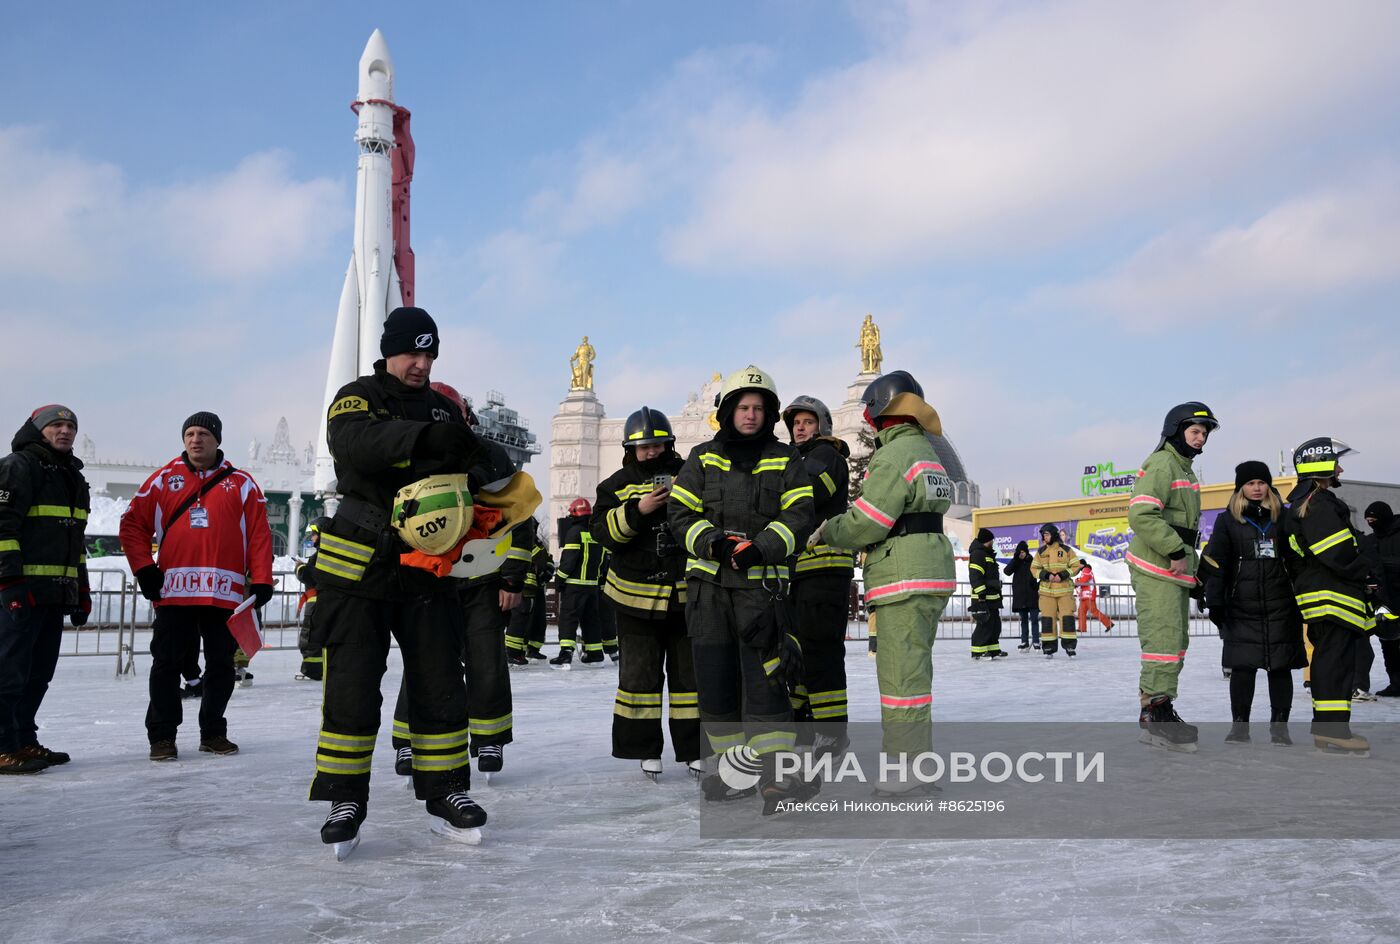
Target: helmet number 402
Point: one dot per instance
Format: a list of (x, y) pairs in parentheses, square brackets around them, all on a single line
[(432, 526)]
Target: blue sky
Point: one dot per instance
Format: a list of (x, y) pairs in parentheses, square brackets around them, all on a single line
[(1065, 216)]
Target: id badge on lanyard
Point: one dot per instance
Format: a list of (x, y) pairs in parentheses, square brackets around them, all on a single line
[(1264, 548), (199, 517)]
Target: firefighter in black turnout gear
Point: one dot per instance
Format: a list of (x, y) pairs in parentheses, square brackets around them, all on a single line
[(311, 656), (487, 601), (525, 634), (821, 582), (386, 431), (985, 576), (1330, 579), (580, 568), (645, 586), (742, 508)]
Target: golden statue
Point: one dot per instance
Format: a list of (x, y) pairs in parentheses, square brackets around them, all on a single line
[(581, 366), (870, 354)]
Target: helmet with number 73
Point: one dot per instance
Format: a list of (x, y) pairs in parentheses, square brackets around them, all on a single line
[(433, 514), (750, 379)]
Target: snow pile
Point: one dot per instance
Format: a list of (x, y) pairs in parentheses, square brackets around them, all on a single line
[(106, 515)]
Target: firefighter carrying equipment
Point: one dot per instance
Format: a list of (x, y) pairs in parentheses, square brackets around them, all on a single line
[(501, 505), (433, 514), (899, 394)]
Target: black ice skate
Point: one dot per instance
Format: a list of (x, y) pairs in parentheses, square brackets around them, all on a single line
[(612, 653), (1162, 727), (535, 653), (457, 817), (591, 658), (490, 760), (565, 659), (1024, 647), (787, 790), (717, 791), (517, 658), (342, 827), (403, 761)]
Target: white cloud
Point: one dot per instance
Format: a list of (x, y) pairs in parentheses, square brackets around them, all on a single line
[(517, 272), (1025, 128), (251, 221), (80, 221), (1330, 241)]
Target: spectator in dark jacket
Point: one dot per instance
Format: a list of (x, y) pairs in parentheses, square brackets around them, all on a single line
[(1382, 549), (1250, 599), (1025, 594), (43, 577)]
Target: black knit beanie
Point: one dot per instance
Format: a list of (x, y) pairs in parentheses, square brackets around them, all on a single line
[(985, 536), (208, 421), (408, 331), (1251, 470)]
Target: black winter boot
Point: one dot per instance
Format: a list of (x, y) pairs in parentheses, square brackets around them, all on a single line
[(1162, 726)]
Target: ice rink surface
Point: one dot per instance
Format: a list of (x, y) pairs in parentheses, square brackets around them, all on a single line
[(580, 848)]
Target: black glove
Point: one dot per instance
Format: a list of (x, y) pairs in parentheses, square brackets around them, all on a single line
[(262, 592), (747, 555), (79, 617), (721, 548), (451, 440), (785, 662), (16, 600), (150, 580)]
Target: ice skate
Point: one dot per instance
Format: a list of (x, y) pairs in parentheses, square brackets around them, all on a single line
[(564, 660), (717, 791), (998, 654), (651, 769), (1342, 744), (535, 653), (1362, 695), (696, 768), (1225, 673), (490, 760), (243, 678), (833, 744), (788, 790), (403, 761), (1024, 647), (591, 658), (457, 817), (341, 829), (613, 654), (517, 659), (1071, 653), (1163, 728)]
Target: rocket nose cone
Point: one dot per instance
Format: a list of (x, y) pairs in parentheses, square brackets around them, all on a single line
[(376, 70)]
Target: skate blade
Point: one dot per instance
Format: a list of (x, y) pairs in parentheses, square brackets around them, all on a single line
[(696, 775), (485, 776), (652, 775), (566, 667), (1339, 752), (471, 836), (343, 849), (1163, 744), (408, 783)]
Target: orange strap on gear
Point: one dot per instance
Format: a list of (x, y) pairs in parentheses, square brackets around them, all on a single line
[(307, 596), (439, 565)]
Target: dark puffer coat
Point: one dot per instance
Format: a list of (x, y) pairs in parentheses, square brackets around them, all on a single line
[(1262, 626), (1025, 592)]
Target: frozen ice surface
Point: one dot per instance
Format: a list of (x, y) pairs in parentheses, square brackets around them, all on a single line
[(581, 848)]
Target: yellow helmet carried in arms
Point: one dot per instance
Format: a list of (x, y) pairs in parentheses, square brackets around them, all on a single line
[(433, 514)]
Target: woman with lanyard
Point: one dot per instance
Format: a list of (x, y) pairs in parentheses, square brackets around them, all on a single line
[(1250, 599)]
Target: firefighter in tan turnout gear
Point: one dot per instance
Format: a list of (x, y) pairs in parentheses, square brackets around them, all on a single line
[(1055, 567), (742, 508), (645, 583)]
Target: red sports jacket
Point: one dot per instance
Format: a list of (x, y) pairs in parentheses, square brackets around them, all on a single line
[(214, 547)]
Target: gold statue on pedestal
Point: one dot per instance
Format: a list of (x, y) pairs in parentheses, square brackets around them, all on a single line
[(581, 366), (871, 356)]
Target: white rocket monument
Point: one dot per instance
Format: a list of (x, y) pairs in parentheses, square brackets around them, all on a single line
[(380, 277)]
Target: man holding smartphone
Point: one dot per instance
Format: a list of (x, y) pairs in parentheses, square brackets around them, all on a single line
[(645, 585)]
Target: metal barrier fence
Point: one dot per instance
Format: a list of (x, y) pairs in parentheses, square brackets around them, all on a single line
[(120, 624)]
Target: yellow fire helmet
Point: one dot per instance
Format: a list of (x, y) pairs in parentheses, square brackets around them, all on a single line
[(434, 513)]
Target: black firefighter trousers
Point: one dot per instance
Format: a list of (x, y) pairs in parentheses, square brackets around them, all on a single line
[(739, 703), (487, 674), (655, 653), (822, 604), (357, 630)]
